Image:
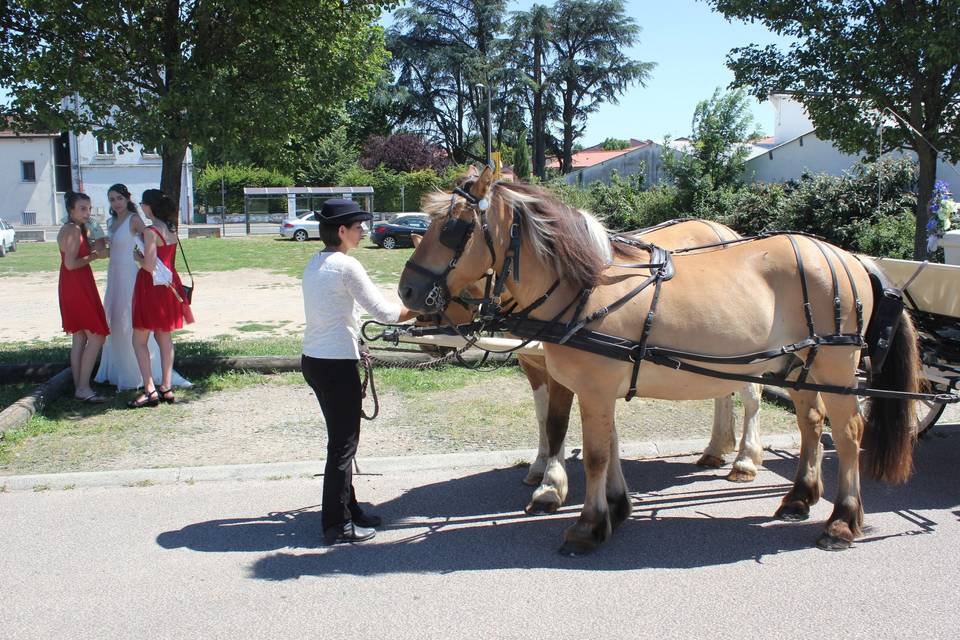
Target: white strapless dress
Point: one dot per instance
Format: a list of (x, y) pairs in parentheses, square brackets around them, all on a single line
[(118, 362)]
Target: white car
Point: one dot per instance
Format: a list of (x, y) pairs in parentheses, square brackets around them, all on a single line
[(306, 227), (8, 238)]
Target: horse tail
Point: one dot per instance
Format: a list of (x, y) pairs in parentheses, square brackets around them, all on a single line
[(890, 431)]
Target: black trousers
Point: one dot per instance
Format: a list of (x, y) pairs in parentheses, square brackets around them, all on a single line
[(336, 384)]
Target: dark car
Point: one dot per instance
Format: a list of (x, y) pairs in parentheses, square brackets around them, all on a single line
[(396, 233)]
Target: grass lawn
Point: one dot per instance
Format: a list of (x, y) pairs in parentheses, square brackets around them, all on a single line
[(226, 254)]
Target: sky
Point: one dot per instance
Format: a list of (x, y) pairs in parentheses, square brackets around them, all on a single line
[(689, 44)]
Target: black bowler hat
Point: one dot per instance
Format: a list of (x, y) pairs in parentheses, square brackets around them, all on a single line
[(342, 211)]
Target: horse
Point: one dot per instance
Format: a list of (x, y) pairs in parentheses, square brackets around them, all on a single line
[(553, 402), (755, 298)]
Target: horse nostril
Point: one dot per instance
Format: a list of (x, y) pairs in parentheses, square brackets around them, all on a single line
[(406, 293)]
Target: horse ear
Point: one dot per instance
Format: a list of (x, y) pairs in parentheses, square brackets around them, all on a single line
[(416, 239), (473, 171), (482, 184)]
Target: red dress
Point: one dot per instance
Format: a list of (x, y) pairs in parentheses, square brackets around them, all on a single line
[(156, 308), (80, 305)]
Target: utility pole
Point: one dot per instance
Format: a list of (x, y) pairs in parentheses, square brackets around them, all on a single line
[(223, 209)]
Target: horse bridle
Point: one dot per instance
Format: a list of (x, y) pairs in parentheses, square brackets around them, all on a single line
[(455, 234)]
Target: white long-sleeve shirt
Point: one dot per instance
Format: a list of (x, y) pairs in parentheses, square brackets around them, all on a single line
[(335, 288)]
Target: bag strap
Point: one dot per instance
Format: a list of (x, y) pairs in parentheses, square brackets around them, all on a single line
[(185, 263)]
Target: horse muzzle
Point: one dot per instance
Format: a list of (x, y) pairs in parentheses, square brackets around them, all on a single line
[(422, 290)]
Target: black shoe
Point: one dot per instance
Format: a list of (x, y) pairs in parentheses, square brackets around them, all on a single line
[(366, 520), (347, 532)]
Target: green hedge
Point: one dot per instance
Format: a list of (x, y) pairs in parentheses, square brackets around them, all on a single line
[(235, 178)]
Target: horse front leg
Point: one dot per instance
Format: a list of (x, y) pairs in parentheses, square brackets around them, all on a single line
[(552, 491), (846, 521), (750, 455), (722, 437), (594, 525), (808, 484)]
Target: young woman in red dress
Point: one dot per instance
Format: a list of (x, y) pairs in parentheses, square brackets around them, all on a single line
[(160, 309), (80, 305)]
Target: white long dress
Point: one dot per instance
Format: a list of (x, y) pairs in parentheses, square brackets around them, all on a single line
[(118, 362)]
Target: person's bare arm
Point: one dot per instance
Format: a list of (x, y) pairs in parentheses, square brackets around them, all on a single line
[(69, 241)]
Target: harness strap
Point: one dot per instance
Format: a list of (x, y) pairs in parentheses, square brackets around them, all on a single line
[(857, 303), (642, 347)]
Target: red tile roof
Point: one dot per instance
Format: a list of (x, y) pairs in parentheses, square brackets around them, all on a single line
[(595, 155)]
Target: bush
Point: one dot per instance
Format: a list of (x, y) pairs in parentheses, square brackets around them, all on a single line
[(387, 185), (235, 178)]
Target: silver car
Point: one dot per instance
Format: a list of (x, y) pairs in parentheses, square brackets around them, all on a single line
[(8, 238), (306, 227)]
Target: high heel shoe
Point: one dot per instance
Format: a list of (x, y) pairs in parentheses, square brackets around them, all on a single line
[(151, 399), (166, 395)]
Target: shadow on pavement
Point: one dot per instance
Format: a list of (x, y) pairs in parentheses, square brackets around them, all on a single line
[(476, 522)]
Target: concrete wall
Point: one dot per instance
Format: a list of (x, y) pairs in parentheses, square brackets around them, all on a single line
[(19, 196), (647, 158)]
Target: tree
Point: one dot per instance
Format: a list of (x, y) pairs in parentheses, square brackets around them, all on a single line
[(442, 49), (529, 48), (614, 144), (402, 152), (166, 73), (521, 158), (717, 154), (860, 64), (328, 161), (588, 39)]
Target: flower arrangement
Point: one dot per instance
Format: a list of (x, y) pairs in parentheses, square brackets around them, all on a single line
[(944, 212)]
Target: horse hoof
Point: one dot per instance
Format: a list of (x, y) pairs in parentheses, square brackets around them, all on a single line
[(533, 479), (573, 549), (828, 542), (792, 512), (739, 475), (711, 462), (541, 507)]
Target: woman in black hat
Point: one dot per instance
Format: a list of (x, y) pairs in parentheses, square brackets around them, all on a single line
[(335, 287)]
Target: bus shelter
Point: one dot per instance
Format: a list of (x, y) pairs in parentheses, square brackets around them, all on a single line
[(268, 203)]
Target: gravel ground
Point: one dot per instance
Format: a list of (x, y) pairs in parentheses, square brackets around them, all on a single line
[(280, 421)]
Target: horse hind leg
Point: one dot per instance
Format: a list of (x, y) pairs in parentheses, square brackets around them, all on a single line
[(552, 491), (846, 521), (618, 499), (808, 484), (541, 397), (723, 439), (750, 454)]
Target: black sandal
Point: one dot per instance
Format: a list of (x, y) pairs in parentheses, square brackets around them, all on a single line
[(151, 399), (166, 395)]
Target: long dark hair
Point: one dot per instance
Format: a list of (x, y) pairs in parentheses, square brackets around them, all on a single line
[(122, 190), (71, 198), (161, 206)]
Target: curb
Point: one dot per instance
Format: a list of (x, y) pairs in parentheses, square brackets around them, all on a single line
[(367, 466)]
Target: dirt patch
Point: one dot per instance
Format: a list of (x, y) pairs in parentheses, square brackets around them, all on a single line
[(246, 302), (281, 421)]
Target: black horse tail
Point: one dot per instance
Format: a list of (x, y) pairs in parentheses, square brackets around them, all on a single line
[(890, 431)]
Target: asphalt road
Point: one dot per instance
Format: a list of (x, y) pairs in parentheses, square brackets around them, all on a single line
[(700, 558)]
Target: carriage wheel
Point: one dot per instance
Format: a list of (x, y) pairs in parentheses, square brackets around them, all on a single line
[(928, 412)]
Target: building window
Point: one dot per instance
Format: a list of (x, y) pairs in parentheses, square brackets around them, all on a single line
[(149, 151), (28, 171), (104, 147), (29, 217), (801, 141), (770, 154)]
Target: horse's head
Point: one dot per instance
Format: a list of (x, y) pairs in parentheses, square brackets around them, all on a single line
[(461, 311), (459, 247)]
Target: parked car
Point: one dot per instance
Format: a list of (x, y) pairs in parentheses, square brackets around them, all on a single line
[(306, 227), (8, 238), (396, 233)]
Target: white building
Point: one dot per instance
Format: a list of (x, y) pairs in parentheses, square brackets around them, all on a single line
[(795, 149), (28, 178), (96, 164)]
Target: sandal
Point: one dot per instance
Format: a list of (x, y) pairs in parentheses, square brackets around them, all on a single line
[(166, 395), (151, 399), (93, 398)]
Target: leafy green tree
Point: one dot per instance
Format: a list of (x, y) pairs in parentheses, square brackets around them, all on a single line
[(614, 144), (717, 154), (521, 158), (329, 161), (530, 60), (167, 73), (442, 49), (860, 64), (588, 39), (233, 178)]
